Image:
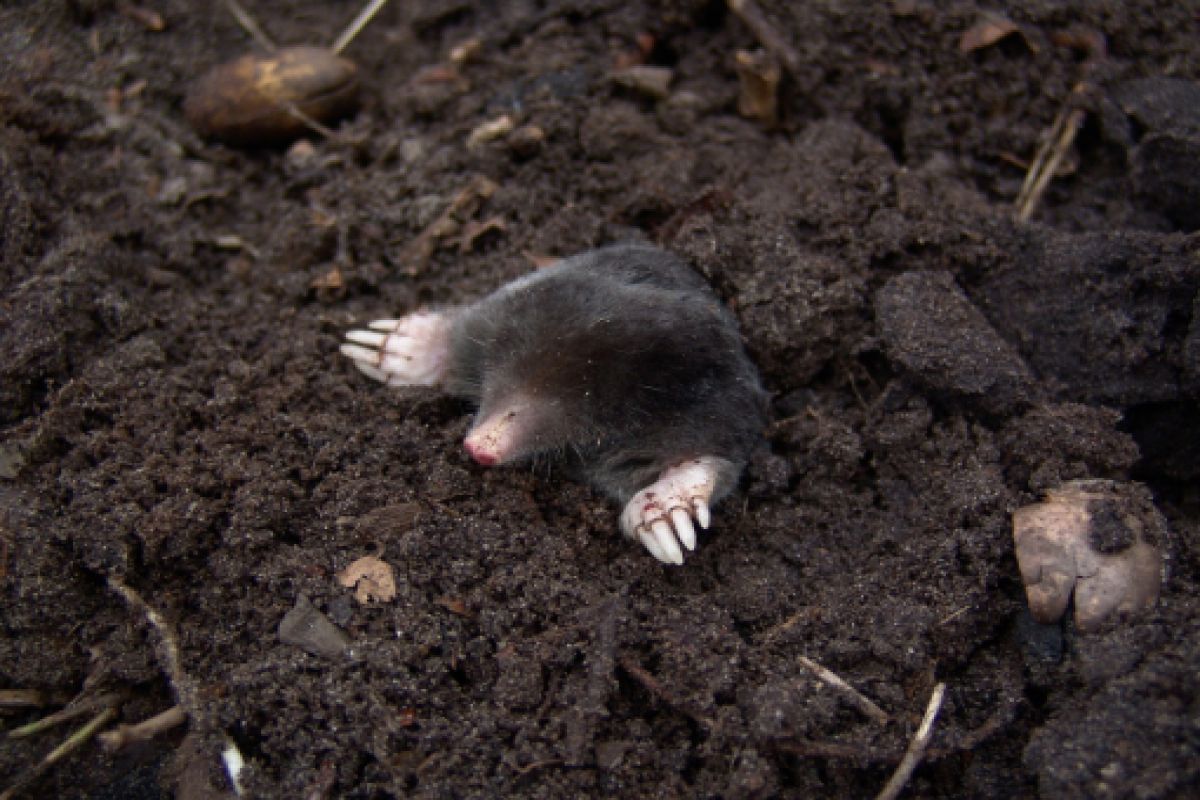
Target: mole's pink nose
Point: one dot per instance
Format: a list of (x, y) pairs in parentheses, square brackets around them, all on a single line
[(480, 453)]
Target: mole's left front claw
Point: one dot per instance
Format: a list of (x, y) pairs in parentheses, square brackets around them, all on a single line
[(661, 515), (410, 351)]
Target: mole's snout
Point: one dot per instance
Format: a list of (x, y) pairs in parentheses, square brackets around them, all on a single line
[(480, 453), (497, 438)]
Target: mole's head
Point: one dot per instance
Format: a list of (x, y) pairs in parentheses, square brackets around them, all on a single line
[(540, 403), (581, 377), (514, 426)]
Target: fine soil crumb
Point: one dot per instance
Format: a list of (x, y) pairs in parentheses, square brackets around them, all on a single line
[(174, 413)]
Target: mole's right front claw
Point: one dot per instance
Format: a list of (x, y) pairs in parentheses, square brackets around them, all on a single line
[(660, 516)]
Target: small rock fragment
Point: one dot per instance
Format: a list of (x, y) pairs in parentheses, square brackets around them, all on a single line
[(650, 81), (300, 155), (1100, 540), (526, 141), (310, 630), (371, 578), (490, 131), (466, 51)]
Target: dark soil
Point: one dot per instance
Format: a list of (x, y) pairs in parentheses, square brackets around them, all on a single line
[(176, 419)]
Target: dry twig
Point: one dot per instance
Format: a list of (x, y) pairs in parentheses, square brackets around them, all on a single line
[(1056, 144), (356, 26), (809, 748), (73, 711), (916, 748), (70, 745), (652, 685), (250, 26), (143, 731), (860, 701), (1058, 139), (168, 654), (22, 698)]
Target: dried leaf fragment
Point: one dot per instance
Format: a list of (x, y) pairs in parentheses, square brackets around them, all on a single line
[(330, 285), (449, 224), (371, 578), (456, 606), (989, 29), (473, 231), (1099, 540), (148, 18)]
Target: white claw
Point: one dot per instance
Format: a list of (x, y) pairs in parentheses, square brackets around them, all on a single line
[(360, 355), (683, 528), (373, 372), (666, 539), (386, 325), (370, 338), (702, 514), (651, 544)]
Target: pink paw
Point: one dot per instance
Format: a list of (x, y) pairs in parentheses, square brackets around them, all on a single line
[(660, 516), (411, 351)]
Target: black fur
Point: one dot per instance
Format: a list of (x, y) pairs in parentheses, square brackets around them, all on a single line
[(630, 361)]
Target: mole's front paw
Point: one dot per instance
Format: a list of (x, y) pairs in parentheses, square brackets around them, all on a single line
[(412, 351), (660, 516)]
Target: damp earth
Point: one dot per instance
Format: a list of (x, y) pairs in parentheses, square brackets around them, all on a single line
[(176, 424)]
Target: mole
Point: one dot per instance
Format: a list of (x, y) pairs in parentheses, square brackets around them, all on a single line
[(619, 364)]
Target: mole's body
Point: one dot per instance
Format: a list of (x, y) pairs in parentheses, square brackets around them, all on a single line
[(619, 363)]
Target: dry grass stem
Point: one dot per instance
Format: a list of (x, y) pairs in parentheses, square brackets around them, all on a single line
[(916, 748), (70, 745), (360, 22), (1054, 148), (250, 26), (73, 711)]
